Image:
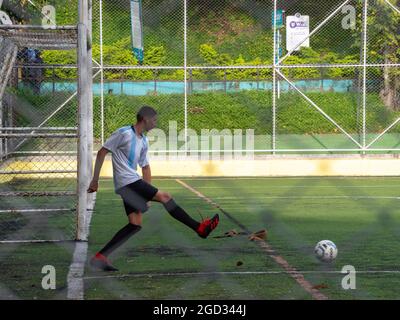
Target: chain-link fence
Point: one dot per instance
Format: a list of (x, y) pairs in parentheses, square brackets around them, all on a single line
[(301, 78), (313, 80), (39, 123), (330, 86), (38, 138)]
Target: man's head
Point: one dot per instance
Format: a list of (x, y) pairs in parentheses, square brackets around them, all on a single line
[(147, 116)]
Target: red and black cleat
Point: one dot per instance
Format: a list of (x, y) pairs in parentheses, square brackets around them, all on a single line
[(207, 225), (101, 262)]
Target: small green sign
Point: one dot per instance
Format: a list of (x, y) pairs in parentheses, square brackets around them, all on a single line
[(279, 18)]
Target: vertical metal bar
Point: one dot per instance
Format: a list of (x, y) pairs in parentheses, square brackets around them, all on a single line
[(365, 16), (89, 79), (8, 143), (101, 73), (122, 82), (258, 78), (7, 69), (155, 81), (274, 86), (83, 97), (225, 84), (278, 87), (1, 125), (54, 79), (185, 70), (190, 81)]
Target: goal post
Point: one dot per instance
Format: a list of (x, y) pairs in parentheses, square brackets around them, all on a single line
[(85, 116)]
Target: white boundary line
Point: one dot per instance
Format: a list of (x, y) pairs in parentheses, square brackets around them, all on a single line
[(222, 273), (295, 274), (302, 197), (239, 198), (295, 187), (277, 177), (77, 267)]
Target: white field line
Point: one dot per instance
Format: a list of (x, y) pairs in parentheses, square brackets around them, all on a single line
[(294, 187), (276, 178), (303, 197), (238, 198), (281, 187), (77, 267), (228, 273)]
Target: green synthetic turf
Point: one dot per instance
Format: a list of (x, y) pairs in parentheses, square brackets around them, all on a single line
[(21, 270), (21, 263), (57, 225), (359, 214)]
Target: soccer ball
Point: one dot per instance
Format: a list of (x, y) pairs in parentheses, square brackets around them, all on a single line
[(326, 251)]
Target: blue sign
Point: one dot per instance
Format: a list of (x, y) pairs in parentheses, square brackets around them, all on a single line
[(279, 18), (278, 47)]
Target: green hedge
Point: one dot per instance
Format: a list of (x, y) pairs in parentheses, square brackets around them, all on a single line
[(243, 110), (232, 37)]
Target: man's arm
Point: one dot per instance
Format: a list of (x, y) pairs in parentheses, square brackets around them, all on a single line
[(146, 171), (94, 184)]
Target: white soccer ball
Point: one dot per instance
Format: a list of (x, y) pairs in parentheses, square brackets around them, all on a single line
[(326, 251)]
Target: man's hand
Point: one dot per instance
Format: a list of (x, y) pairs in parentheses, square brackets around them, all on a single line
[(94, 185)]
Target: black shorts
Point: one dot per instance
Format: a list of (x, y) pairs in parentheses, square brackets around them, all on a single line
[(136, 195)]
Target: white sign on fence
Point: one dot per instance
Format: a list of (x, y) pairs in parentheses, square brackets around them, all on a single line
[(297, 28)]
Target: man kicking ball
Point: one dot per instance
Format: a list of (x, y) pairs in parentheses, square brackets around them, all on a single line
[(129, 147)]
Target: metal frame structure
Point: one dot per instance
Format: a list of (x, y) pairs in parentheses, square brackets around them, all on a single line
[(85, 113), (87, 72), (277, 66), (68, 37), (362, 147)]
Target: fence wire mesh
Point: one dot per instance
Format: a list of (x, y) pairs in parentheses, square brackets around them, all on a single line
[(206, 66), (210, 69), (38, 133), (210, 65)]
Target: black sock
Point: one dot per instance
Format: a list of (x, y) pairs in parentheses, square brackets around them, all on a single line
[(179, 214), (119, 238)]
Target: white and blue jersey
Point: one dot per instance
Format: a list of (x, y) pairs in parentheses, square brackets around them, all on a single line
[(128, 150)]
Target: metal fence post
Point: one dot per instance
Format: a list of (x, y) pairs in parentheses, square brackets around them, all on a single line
[(83, 114), (1, 125), (274, 85), (90, 98), (101, 72), (365, 16), (185, 73)]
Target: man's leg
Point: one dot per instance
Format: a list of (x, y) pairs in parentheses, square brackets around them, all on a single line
[(135, 224), (203, 229), (174, 210)]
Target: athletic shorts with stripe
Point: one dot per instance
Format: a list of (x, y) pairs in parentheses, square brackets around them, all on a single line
[(136, 195)]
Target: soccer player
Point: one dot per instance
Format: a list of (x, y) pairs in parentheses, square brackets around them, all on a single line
[(129, 147)]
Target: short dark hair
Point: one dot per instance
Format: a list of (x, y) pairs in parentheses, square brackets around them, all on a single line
[(145, 111)]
